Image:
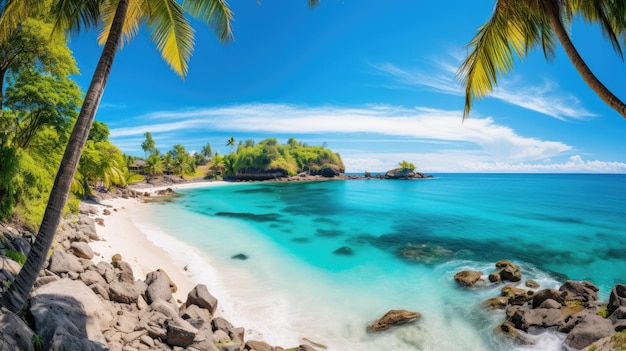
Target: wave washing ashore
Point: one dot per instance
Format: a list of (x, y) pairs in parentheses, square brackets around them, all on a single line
[(322, 260)]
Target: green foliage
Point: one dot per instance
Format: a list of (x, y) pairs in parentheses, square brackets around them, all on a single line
[(37, 342), (102, 164), (619, 341), (182, 162), (99, 132), (148, 145), (73, 206), (407, 165), (603, 312), (292, 157), (16, 256)]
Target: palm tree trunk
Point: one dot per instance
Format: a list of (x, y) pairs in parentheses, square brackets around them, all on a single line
[(15, 298), (592, 81)]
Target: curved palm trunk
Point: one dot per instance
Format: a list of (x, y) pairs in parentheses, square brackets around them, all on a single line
[(16, 296), (605, 94)]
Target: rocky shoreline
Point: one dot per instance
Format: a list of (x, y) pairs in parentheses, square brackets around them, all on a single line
[(77, 304), (572, 309)]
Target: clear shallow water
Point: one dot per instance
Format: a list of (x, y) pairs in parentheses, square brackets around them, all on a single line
[(293, 285)]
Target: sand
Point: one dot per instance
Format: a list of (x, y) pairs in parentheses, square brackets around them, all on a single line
[(120, 235)]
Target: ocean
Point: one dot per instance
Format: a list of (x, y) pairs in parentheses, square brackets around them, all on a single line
[(322, 260)]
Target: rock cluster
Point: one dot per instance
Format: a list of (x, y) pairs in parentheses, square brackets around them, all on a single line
[(572, 309), (77, 304)]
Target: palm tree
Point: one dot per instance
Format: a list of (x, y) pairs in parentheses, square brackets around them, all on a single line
[(231, 143), (173, 35), (517, 26)]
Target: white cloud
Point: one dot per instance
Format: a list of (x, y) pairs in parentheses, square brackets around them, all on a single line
[(440, 77), (491, 141), (575, 164)]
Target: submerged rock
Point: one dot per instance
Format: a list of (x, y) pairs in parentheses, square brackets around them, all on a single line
[(393, 318), (240, 256), (344, 251), (424, 253)]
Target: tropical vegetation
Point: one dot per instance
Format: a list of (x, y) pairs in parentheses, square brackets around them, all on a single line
[(518, 26), (173, 35), (269, 156)]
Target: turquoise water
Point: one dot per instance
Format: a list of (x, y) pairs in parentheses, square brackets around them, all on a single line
[(295, 285)]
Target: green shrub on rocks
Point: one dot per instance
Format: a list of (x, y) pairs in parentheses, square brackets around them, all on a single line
[(619, 341), (16, 256)]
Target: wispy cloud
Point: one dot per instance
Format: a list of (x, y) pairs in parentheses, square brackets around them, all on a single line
[(439, 76), (573, 164), (493, 141)]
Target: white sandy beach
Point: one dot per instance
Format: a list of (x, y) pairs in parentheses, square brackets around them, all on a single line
[(120, 235)]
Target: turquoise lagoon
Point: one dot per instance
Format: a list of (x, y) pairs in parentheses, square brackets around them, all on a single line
[(293, 285)]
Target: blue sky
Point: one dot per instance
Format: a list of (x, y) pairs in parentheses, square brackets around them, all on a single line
[(373, 80)]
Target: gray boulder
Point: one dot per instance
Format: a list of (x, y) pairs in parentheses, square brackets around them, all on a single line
[(16, 335), (201, 297), (123, 292), (9, 265), (124, 271), (158, 287), (253, 345), (527, 319), (617, 298), (69, 307), (82, 250), (584, 292), (62, 262), (587, 328), (542, 295), (180, 332)]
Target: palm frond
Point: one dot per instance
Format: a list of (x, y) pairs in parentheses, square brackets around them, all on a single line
[(75, 15), (14, 12), (513, 29), (215, 13), (134, 18), (172, 34), (610, 14)]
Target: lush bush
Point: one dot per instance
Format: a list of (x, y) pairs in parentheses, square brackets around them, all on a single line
[(292, 157), (16, 256)]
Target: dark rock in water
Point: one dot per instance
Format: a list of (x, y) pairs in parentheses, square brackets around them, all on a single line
[(424, 253), (393, 318), (468, 278), (344, 251), (516, 296), (329, 233), (240, 256), (531, 284), (301, 240), (526, 319), (545, 294), (267, 217), (496, 303), (506, 270)]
